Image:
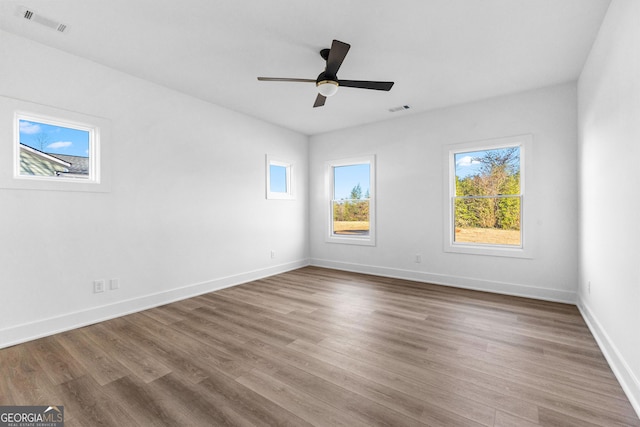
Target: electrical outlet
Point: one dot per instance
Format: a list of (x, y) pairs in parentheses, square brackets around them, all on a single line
[(418, 258), (273, 254), (114, 284), (589, 287), (98, 286)]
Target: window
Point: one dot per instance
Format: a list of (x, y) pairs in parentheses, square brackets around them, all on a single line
[(279, 179), (486, 197), (54, 149), (351, 201), (48, 148)]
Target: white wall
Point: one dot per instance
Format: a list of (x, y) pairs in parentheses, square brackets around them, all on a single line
[(609, 150), (186, 214), (410, 176)]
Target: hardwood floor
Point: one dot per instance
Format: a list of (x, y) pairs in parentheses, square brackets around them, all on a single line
[(327, 348)]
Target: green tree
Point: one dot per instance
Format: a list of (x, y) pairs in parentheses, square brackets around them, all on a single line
[(355, 208), (356, 192), (508, 209), (499, 175)]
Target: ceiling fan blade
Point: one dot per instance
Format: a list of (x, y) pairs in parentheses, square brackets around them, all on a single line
[(319, 101), (336, 55), (285, 79), (365, 84)]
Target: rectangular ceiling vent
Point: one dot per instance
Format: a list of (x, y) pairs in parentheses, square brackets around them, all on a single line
[(35, 17), (400, 108)]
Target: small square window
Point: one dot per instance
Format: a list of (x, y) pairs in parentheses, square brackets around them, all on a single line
[(54, 149), (279, 181)]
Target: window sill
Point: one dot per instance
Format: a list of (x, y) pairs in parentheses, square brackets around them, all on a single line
[(369, 241), (489, 250)]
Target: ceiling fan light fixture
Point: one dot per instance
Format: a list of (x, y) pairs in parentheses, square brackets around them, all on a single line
[(327, 87)]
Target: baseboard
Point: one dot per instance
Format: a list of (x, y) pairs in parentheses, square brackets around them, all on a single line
[(454, 281), (627, 379), (41, 328)]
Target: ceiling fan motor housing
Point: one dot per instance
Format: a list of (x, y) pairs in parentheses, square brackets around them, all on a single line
[(325, 54), (324, 77)]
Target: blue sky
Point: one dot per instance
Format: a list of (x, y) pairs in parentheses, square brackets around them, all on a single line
[(466, 166), (347, 177), (54, 139), (277, 179)]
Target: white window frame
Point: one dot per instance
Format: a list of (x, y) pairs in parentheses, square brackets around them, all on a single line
[(13, 110), (369, 240), (525, 249), (94, 147), (286, 195)]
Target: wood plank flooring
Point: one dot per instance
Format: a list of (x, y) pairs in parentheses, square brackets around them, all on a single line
[(326, 348)]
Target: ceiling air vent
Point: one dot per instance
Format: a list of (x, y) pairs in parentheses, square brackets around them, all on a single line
[(400, 108), (42, 20)]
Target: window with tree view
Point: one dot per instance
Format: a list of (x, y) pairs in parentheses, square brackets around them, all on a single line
[(352, 201), (487, 204)]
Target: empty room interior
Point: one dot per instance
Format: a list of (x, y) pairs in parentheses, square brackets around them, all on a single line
[(346, 213)]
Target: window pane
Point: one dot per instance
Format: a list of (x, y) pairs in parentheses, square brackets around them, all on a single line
[(488, 172), (483, 211), (54, 151), (277, 179), (351, 199), (351, 217), (351, 182), (488, 220)]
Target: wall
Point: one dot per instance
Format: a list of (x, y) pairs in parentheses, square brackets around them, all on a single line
[(186, 212), (410, 176), (609, 132)]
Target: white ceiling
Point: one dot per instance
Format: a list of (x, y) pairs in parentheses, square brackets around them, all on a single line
[(438, 52)]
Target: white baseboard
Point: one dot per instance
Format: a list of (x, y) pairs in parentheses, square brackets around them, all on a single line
[(627, 379), (454, 281), (64, 322)]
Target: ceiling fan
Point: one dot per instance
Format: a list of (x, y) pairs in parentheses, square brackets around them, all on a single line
[(327, 82)]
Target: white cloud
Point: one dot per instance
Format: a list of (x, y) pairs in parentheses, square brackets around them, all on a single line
[(29, 128), (60, 144), (466, 161)]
